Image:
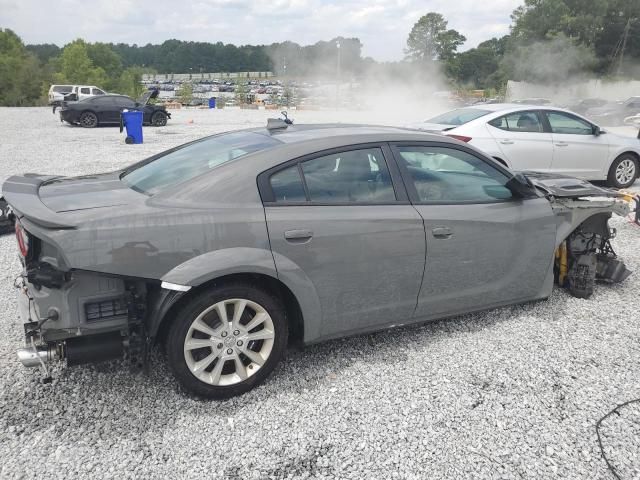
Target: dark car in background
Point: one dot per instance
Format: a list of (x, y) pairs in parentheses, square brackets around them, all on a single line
[(612, 114), (106, 110)]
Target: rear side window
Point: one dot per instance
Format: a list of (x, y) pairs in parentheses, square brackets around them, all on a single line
[(287, 185), (518, 122), (354, 176), (85, 90)]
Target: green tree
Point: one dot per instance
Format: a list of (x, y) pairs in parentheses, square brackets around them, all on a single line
[(430, 39), (77, 67), (185, 94), (599, 25), (129, 82), (20, 74), (102, 56)]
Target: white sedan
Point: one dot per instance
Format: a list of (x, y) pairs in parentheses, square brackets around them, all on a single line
[(544, 139)]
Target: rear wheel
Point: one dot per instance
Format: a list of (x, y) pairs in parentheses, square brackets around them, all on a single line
[(88, 120), (226, 341), (159, 119), (623, 171)]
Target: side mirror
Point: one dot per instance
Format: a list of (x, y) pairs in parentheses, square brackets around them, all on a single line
[(521, 187), (597, 131)]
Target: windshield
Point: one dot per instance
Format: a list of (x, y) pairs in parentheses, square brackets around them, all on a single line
[(192, 160), (459, 116)]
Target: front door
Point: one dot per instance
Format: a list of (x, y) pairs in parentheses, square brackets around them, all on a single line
[(484, 247), (576, 150), (338, 217)]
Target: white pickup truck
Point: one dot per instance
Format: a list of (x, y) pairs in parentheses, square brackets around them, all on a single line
[(60, 93)]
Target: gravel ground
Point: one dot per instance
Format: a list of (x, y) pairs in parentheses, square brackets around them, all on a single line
[(511, 393)]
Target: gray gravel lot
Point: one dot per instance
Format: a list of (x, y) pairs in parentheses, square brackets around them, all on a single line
[(510, 393)]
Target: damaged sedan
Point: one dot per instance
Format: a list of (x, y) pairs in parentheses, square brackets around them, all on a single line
[(229, 248)]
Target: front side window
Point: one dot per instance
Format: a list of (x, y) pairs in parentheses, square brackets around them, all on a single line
[(446, 175), (192, 160), (563, 123), (518, 122), (101, 101), (97, 91), (124, 102)]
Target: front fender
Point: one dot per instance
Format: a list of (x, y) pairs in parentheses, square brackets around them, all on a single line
[(229, 261)]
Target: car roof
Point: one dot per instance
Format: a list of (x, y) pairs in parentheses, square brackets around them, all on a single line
[(515, 107), (328, 131)]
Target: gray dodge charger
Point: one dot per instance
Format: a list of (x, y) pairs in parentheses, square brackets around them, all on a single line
[(231, 247)]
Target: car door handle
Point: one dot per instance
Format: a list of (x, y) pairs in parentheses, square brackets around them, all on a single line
[(298, 236), (441, 232), (506, 142), (561, 144)]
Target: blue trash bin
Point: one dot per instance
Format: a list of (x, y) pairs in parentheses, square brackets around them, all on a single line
[(212, 102), (132, 121)]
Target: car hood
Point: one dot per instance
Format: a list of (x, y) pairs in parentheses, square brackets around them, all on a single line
[(567, 187), (146, 96)]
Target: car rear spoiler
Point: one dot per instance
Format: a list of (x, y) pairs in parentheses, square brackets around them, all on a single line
[(21, 194)]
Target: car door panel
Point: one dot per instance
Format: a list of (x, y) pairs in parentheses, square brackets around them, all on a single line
[(481, 251), (350, 228), (366, 262), (496, 253), (581, 155)]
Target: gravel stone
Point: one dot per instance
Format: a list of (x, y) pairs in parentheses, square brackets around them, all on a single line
[(510, 393)]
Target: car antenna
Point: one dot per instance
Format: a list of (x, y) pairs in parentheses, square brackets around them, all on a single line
[(279, 123)]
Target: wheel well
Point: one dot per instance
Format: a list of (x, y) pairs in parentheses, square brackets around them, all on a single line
[(501, 161), (293, 312)]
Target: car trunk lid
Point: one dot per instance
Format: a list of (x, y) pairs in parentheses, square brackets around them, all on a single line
[(48, 200)]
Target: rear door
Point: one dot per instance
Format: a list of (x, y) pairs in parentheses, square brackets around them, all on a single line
[(576, 150), (484, 247), (523, 141), (344, 218)]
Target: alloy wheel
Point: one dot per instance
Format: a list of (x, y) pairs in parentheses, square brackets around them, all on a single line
[(229, 342), (625, 171)]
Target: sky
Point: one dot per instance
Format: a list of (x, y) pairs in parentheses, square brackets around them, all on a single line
[(381, 25)]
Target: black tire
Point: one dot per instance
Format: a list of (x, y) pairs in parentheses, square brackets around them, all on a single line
[(159, 119), (88, 120), (180, 328), (614, 177)]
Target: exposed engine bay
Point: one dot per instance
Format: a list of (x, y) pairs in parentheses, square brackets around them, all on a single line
[(587, 256), (584, 254)]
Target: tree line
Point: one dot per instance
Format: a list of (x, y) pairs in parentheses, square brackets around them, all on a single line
[(550, 41)]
